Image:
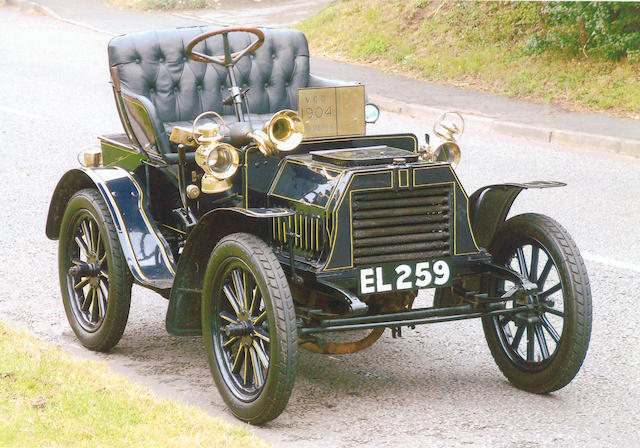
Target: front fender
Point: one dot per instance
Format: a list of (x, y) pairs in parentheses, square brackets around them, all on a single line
[(490, 205), (147, 253), (183, 315)]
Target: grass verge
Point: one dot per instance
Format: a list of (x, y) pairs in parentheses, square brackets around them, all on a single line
[(479, 45), (48, 398)]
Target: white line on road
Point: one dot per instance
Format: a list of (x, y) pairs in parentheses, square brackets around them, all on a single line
[(10, 110), (611, 262)]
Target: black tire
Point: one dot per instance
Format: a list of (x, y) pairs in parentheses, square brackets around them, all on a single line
[(557, 335), (251, 343), (97, 297)]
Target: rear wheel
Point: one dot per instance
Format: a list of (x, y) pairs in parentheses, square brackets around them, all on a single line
[(94, 277), (542, 350), (249, 328)]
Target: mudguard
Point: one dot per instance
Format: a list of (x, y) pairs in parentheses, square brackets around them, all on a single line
[(489, 206), (146, 251), (183, 315)]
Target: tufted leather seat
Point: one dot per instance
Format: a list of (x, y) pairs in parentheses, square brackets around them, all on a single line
[(157, 86)]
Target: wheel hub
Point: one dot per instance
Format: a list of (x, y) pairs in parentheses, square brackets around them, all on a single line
[(242, 328), (85, 269)]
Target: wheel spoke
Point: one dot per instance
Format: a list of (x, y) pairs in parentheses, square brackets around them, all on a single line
[(86, 233), (517, 337), (245, 290), (530, 342), (260, 334), (258, 377), (101, 301), (237, 284), (95, 310), (228, 317), (82, 245), (254, 299), (548, 292), (237, 362), (86, 303), (258, 320), (245, 370), (264, 359), (105, 291), (232, 299), (555, 312), (82, 283), (545, 272), (522, 262), (231, 341), (550, 328), (542, 342), (102, 260), (98, 244), (533, 269), (93, 242)]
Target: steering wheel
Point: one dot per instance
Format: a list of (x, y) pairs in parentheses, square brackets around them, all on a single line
[(228, 59)]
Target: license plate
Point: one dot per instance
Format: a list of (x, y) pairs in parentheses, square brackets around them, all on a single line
[(403, 276)]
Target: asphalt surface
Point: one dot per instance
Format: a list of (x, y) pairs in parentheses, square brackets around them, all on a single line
[(437, 386)]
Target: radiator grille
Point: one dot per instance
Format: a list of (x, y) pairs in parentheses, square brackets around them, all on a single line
[(401, 225), (308, 229)]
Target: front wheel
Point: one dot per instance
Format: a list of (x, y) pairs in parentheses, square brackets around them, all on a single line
[(249, 328), (542, 350), (94, 277)]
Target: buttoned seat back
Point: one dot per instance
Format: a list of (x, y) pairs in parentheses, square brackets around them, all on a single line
[(157, 85)]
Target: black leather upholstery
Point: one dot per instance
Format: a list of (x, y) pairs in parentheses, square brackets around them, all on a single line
[(154, 76)]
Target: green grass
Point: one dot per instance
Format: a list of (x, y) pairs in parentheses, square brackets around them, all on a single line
[(479, 45), (48, 398)]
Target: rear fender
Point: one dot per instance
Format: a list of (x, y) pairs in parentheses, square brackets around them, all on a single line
[(183, 315), (490, 205), (146, 251)]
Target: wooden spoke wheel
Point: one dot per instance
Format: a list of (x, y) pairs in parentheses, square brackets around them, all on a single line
[(94, 278), (541, 350), (249, 328)]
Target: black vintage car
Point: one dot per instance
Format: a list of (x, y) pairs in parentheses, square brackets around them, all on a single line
[(246, 192)]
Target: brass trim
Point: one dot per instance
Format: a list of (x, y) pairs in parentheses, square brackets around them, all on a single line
[(400, 175), (193, 191), (174, 229)]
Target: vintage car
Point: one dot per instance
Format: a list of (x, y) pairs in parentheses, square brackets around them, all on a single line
[(246, 191)]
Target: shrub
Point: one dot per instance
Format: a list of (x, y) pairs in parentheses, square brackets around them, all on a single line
[(607, 29)]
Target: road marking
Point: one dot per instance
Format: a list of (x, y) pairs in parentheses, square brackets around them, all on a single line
[(21, 113), (611, 262)]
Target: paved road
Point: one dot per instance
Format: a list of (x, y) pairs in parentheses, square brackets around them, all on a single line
[(438, 386)]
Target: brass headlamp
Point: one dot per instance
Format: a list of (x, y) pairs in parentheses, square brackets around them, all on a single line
[(218, 160), (447, 130)]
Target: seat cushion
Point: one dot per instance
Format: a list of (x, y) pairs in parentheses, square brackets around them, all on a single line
[(154, 64)]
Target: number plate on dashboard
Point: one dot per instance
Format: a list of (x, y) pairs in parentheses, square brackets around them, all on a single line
[(332, 111), (403, 276)]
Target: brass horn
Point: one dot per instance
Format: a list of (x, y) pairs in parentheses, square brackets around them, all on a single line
[(282, 133)]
